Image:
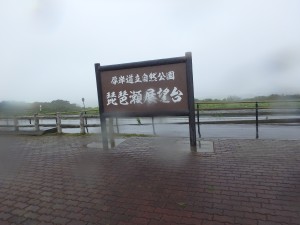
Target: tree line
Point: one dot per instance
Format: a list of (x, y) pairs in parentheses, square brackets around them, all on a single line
[(10, 108), (272, 97)]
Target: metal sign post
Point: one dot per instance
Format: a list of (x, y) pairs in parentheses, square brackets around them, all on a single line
[(189, 73), (100, 101)]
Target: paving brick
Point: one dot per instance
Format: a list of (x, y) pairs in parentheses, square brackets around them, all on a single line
[(146, 208), (247, 194), (17, 219), (76, 216), (59, 206), (23, 199), (122, 217), (286, 213), (150, 215), (173, 212), (31, 215), (32, 208), (72, 202), (91, 218), (245, 221), (8, 202), (45, 223), (76, 222), (18, 212), (186, 220), (170, 219), (202, 216), (280, 219), (30, 222), (240, 198), (268, 223), (293, 220), (225, 219), (209, 222), (21, 205), (255, 216), (242, 208), (214, 211), (60, 220), (140, 221), (260, 200), (46, 218), (264, 211), (222, 206), (59, 213), (124, 223), (44, 210), (5, 216), (2, 222)]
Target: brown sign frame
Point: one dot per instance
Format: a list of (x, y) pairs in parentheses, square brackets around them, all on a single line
[(183, 86)]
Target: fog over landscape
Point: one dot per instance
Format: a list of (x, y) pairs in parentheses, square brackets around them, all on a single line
[(240, 48)]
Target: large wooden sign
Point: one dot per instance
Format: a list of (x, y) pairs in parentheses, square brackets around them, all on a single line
[(150, 88), (145, 90)]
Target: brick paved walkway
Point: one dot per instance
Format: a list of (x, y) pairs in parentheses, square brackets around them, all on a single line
[(58, 180)]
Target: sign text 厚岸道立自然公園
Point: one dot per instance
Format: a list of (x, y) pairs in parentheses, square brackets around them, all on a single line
[(145, 78)]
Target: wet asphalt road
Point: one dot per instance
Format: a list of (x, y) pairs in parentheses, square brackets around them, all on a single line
[(280, 132)]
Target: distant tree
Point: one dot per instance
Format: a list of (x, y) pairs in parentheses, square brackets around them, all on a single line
[(22, 108), (63, 106), (233, 99), (13, 108)]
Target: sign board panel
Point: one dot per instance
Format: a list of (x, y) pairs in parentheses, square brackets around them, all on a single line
[(158, 89), (161, 87)]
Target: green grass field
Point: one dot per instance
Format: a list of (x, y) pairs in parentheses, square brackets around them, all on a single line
[(248, 105)]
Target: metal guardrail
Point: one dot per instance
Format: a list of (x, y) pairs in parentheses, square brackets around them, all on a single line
[(290, 107), (252, 110), (57, 118)]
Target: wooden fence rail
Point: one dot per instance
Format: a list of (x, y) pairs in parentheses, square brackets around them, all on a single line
[(58, 122), (251, 113)]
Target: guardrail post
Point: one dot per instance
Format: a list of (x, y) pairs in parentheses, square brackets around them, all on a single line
[(36, 123), (117, 124), (256, 115), (82, 130), (153, 127), (58, 123), (87, 129), (16, 123), (198, 120)]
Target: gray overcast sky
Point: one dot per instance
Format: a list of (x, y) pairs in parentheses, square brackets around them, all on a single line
[(244, 48)]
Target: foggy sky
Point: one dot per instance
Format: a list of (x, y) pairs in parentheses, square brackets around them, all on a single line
[(240, 48)]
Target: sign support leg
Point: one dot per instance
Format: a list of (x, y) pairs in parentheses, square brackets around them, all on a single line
[(192, 122), (111, 133), (104, 132), (192, 129)]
